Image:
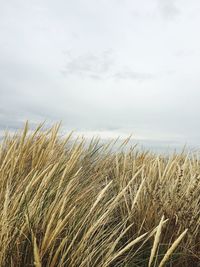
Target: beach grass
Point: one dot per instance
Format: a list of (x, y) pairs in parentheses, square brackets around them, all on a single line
[(66, 203)]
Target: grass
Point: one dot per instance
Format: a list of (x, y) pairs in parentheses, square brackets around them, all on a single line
[(63, 203)]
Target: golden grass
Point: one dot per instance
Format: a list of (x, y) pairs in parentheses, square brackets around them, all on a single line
[(65, 203)]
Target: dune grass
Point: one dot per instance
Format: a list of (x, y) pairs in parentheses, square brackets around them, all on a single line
[(64, 203)]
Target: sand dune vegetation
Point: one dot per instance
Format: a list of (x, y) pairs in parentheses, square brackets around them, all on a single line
[(65, 203)]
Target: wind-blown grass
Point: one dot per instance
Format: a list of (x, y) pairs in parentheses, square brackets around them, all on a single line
[(63, 203)]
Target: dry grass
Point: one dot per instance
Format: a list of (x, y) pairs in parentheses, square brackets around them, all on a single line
[(66, 204)]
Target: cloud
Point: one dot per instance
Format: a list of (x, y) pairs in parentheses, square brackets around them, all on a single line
[(123, 67), (168, 9), (99, 67), (10, 120), (89, 65), (132, 75), (181, 53)]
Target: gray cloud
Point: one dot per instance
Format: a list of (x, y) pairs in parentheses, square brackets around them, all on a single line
[(180, 53), (168, 9), (99, 67), (131, 75), (89, 65), (121, 72)]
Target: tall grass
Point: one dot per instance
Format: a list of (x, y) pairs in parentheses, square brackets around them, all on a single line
[(63, 203)]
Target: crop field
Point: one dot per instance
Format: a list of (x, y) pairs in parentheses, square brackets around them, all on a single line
[(65, 203)]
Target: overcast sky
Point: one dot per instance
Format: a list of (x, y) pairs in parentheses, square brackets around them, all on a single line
[(102, 66)]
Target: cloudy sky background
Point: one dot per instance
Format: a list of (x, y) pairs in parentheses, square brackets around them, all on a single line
[(106, 67)]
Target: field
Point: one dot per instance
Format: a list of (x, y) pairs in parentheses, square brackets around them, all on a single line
[(63, 203)]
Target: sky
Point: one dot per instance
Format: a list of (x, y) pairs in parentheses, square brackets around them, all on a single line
[(108, 67)]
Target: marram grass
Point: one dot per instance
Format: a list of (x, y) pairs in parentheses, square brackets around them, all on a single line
[(64, 203)]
